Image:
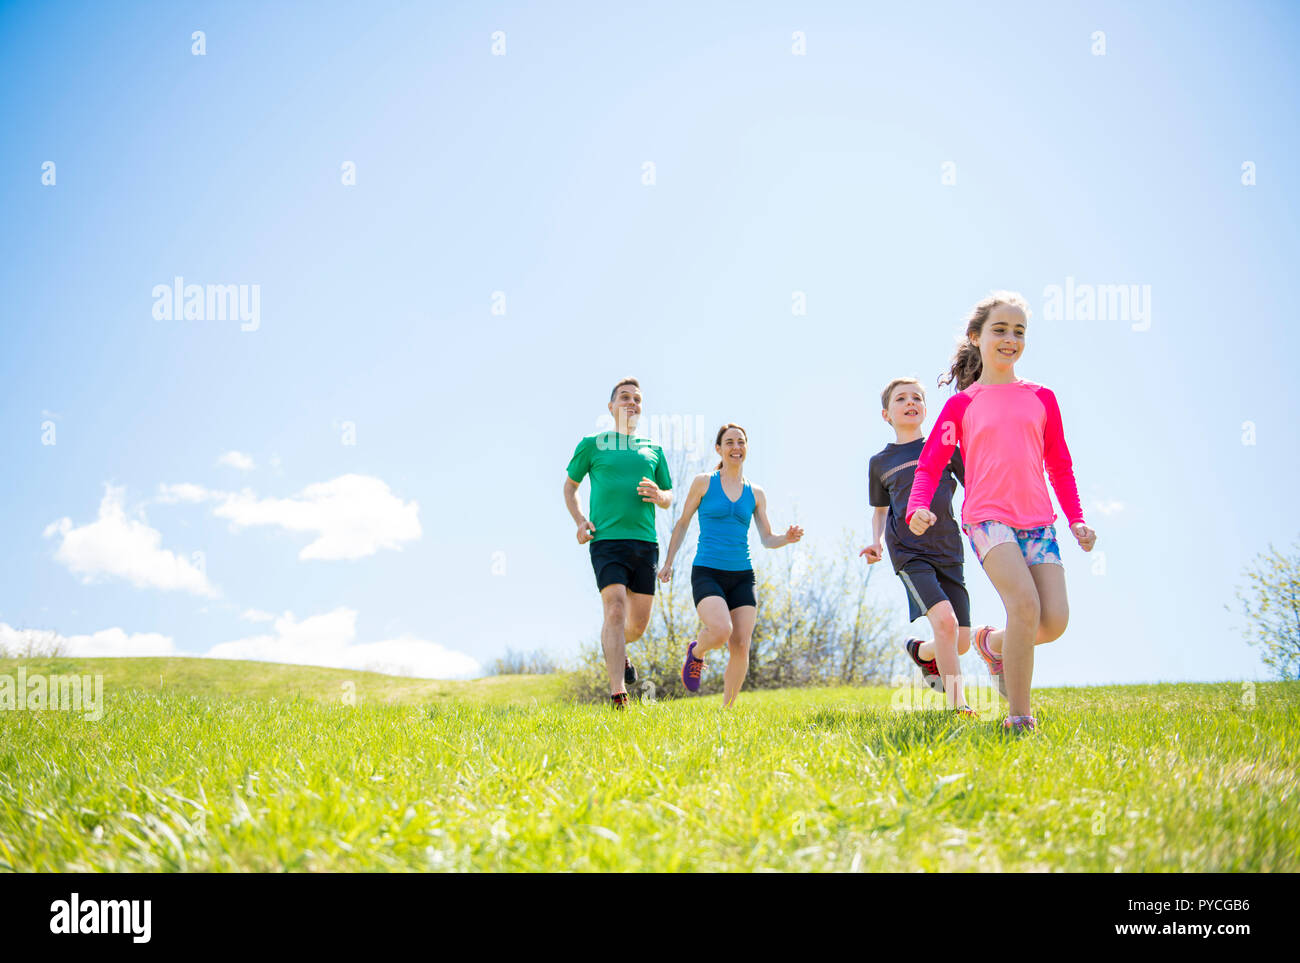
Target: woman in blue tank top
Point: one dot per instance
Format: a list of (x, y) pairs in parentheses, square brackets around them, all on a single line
[(722, 578)]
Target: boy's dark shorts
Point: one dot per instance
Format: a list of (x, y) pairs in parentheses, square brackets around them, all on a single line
[(625, 561), (736, 588), (929, 584)]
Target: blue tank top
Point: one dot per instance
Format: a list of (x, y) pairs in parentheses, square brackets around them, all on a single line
[(724, 528)]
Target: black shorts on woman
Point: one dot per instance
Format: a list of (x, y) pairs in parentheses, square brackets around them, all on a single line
[(735, 588)]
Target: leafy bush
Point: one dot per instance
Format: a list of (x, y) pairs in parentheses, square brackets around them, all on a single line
[(1271, 603), (537, 662)]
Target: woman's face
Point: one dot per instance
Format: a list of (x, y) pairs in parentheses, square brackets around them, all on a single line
[(732, 447)]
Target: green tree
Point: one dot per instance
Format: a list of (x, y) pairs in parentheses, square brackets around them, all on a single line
[(1270, 601)]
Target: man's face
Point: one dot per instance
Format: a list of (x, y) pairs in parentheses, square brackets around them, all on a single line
[(626, 406)]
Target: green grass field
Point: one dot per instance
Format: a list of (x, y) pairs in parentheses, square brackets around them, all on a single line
[(211, 765)]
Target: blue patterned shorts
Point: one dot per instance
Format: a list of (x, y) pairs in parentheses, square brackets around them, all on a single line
[(1037, 545)]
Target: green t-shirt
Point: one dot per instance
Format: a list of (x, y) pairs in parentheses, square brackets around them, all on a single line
[(617, 463)]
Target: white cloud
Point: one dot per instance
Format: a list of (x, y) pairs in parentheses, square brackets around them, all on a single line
[(1107, 506), (120, 547), (351, 516), (237, 459), (257, 615), (329, 640), (184, 492), (105, 642)]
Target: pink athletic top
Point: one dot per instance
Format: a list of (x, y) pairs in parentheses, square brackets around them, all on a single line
[(1008, 434)]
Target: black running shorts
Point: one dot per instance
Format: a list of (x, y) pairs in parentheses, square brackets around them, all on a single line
[(736, 588), (928, 585), (625, 561)]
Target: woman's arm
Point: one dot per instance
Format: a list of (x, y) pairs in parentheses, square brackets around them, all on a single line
[(699, 485), (792, 534)]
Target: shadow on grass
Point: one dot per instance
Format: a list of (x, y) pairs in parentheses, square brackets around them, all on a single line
[(882, 731)]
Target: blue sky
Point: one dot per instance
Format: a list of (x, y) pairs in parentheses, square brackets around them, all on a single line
[(774, 173)]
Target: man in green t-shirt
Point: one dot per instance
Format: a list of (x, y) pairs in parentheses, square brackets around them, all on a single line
[(629, 476)]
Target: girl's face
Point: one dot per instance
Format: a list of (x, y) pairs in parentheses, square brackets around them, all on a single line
[(732, 448), (1002, 340)]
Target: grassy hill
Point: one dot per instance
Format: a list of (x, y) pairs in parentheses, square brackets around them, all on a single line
[(271, 680), (246, 766)]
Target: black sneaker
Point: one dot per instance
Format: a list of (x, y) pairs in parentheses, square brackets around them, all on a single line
[(629, 672), (929, 670)]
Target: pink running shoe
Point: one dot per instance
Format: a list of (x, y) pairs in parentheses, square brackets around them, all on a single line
[(992, 661), (1018, 724)]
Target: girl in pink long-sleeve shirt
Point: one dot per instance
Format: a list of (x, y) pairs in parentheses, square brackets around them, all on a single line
[(1009, 431)]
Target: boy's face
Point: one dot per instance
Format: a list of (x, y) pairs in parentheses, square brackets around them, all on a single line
[(906, 407)]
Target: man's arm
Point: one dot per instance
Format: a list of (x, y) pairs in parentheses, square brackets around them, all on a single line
[(650, 491), (663, 481), (585, 528)]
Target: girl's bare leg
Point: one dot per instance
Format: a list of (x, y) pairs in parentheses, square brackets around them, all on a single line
[(1005, 566)]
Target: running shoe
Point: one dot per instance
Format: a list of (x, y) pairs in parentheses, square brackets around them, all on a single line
[(992, 661), (966, 712), (929, 669), (629, 672), (619, 699), (691, 669), (1018, 724)]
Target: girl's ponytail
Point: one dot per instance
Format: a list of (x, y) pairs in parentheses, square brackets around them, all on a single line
[(967, 366)]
